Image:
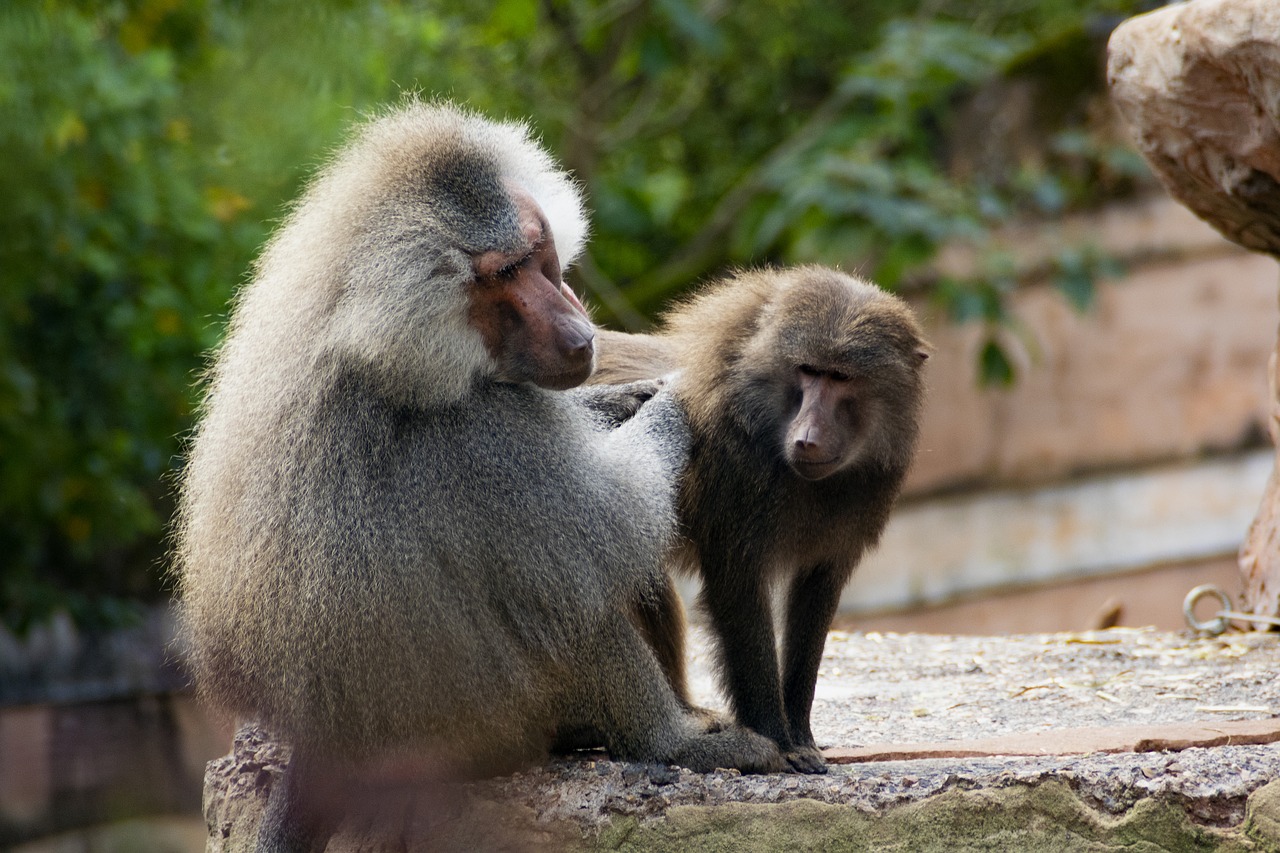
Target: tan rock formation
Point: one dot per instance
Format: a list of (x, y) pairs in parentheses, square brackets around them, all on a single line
[(1199, 83)]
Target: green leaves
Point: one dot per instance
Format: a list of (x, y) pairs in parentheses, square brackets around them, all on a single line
[(149, 146), (118, 253), (916, 63), (994, 367)]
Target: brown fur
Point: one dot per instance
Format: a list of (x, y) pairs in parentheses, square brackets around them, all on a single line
[(744, 348)]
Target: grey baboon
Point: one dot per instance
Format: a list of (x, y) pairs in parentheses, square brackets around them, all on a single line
[(803, 388), (393, 538)]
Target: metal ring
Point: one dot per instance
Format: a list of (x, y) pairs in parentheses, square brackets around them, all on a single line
[(1215, 626)]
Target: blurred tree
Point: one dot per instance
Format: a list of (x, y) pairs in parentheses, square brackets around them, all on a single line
[(149, 145), (114, 256)]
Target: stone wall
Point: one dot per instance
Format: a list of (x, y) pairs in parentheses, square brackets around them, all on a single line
[(99, 735), (1170, 362)]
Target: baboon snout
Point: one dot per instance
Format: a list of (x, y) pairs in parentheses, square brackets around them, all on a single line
[(576, 337)]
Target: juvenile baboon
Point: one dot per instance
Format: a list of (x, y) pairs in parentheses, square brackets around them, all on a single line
[(803, 389), (393, 539)]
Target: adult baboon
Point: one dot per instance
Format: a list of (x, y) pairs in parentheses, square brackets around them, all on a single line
[(393, 538), (803, 388)]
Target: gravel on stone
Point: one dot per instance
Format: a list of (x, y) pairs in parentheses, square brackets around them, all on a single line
[(890, 688)]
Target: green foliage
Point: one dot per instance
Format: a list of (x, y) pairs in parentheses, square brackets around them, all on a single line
[(868, 185), (994, 365), (1076, 270), (112, 265), (149, 146)]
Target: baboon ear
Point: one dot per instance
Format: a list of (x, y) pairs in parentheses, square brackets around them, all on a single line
[(922, 354)]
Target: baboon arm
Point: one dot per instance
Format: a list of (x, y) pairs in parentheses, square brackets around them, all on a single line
[(613, 405), (735, 596), (621, 357), (811, 605)]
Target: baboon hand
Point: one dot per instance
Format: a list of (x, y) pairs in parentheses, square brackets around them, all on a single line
[(735, 747), (614, 405)]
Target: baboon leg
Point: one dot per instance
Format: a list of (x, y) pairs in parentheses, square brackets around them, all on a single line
[(662, 622), (628, 699), (811, 605), (301, 812)]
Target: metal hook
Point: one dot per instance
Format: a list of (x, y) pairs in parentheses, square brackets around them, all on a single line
[(1221, 620), (1219, 623)]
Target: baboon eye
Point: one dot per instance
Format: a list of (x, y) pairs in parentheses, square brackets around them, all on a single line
[(509, 271), (833, 375)]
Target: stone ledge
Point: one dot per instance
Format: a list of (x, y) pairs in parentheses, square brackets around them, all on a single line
[(1198, 799), (902, 688)]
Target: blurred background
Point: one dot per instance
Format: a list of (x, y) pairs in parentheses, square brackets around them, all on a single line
[(1094, 442)]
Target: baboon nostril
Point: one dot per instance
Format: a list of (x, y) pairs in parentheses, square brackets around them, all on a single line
[(808, 439)]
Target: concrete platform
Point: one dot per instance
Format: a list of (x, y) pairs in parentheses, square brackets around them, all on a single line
[(968, 724)]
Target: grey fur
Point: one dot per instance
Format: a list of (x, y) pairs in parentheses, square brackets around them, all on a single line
[(382, 548)]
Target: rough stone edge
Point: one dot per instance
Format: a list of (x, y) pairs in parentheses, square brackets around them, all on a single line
[(1021, 817), (1170, 737), (1019, 814)]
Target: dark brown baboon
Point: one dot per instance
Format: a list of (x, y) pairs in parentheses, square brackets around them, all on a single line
[(803, 389), (394, 539)]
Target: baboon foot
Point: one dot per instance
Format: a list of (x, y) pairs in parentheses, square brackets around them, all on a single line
[(805, 759), (733, 748)]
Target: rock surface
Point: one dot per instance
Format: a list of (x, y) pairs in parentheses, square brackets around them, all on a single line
[(1199, 83), (893, 689)]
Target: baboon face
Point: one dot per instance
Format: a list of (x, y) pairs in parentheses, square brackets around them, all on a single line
[(849, 357), (830, 417), (532, 324)]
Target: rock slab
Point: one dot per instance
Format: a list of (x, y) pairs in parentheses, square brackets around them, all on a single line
[(1199, 84), (1128, 687)]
